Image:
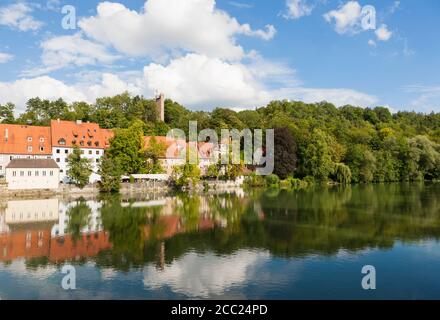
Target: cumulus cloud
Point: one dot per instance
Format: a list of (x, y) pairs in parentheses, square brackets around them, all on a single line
[(347, 18), (20, 91), (170, 26), (203, 82), (383, 34), (5, 57), (298, 8), (199, 81), (17, 16), (74, 50)]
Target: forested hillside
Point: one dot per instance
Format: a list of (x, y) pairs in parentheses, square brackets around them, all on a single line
[(347, 144)]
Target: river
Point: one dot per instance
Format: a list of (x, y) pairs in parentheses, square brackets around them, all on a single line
[(259, 244)]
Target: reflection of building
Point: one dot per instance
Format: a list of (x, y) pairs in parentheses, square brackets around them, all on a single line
[(31, 211), (32, 174), (93, 225), (28, 230), (88, 245)]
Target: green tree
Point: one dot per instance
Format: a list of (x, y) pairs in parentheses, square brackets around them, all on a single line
[(110, 172), (127, 148), (153, 152), (7, 113), (285, 153), (318, 159), (79, 168), (187, 175)]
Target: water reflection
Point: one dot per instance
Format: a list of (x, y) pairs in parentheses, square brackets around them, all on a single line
[(203, 246)]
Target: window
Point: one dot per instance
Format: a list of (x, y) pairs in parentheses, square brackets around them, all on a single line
[(29, 173), (82, 151), (58, 150), (14, 173), (41, 149), (29, 139), (41, 139), (21, 173), (81, 143), (51, 173), (62, 142), (44, 173), (61, 170), (66, 151), (37, 173), (58, 160), (97, 160), (29, 148), (97, 152), (90, 152)]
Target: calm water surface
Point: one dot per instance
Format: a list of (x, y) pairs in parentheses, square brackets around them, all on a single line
[(239, 245)]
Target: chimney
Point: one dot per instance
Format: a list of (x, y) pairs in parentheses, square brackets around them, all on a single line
[(160, 103), (78, 121)]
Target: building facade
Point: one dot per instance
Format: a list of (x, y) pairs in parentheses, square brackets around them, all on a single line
[(88, 137), (23, 142), (32, 174)]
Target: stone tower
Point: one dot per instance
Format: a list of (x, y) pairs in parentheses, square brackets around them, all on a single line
[(160, 103)]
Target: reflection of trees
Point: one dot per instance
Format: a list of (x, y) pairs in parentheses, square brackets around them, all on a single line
[(79, 217), (285, 223)]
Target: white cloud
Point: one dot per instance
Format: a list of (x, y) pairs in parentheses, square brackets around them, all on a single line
[(5, 57), (298, 8), (200, 81), (64, 51), (170, 27), (427, 99), (383, 34), (371, 43), (196, 81), (347, 18), (20, 91), (206, 275), (17, 16)]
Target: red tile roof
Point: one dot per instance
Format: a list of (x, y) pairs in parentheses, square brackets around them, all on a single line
[(25, 140), (84, 135)]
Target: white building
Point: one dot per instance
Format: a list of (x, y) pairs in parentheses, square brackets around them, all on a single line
[(32, 174), (89, 137)]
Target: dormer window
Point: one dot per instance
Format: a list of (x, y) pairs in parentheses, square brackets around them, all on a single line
[(73, 141), (97, 143), (89, 143), (41, 139), (62, 142), (29, 148), (29, 139), (81, 143)]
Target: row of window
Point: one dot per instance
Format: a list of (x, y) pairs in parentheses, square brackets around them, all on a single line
[(30, 149), (58, 151), (29, 138), (36, 173), (58, 160)]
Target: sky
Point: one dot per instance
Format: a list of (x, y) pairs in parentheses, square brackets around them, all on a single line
[(238, 54)]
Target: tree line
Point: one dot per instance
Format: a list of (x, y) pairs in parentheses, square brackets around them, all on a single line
[(315, 142)]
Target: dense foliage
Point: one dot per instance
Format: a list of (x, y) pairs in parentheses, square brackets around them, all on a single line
[(347, 144), (79, 168)]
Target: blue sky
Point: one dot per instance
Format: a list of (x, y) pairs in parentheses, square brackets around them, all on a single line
[(238, 54)]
